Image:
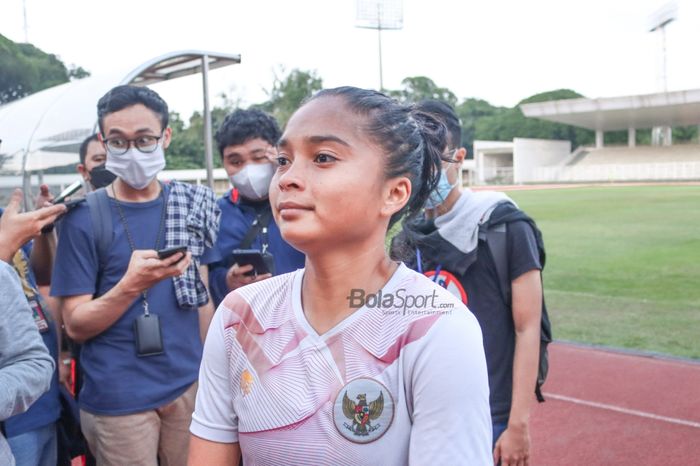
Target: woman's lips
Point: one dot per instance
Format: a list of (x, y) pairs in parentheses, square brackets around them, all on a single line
[(290, 209)]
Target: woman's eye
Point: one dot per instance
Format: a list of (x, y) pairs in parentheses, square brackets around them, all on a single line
[(281, 161), (325, 158)]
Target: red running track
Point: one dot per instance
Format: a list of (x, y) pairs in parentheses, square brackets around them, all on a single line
[(611, 408)]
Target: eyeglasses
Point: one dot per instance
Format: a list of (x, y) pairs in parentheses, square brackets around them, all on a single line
[(144, 144)]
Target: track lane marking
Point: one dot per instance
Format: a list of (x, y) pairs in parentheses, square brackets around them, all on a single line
[(618, 409)]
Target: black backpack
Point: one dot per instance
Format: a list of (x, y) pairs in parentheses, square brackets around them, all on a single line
[(493, 233)]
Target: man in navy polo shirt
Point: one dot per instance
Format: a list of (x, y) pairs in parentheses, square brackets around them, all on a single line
[(140, 319), (247, 141)]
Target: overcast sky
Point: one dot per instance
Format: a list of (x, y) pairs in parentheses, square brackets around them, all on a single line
[(498, 50)]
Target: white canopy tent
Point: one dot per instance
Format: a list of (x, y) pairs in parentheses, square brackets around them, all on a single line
[(45, 129)]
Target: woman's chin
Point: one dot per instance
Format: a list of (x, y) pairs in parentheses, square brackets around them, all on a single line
[(298, 236)]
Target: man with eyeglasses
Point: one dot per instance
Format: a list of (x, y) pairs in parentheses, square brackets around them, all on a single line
[(141, 316)]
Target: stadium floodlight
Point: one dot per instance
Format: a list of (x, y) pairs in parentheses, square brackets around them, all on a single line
[(663, 16), (380, 15), (658, 22)]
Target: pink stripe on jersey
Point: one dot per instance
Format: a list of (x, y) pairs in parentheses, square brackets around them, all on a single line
[(240, 311), (415, 331), (253, 338), (341, 346)]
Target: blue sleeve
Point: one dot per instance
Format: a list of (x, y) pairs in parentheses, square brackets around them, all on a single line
[(523, 255), (210, 256), (217, 283), (76, 265)]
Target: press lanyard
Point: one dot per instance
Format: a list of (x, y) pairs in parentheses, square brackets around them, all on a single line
[(419, 266), (132, 245)]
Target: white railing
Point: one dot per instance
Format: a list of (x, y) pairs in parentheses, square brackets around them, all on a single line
[(661, 171)]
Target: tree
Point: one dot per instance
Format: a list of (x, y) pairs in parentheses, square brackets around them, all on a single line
[(77, 72), (512, 123), (417, 88), (470, 111), (24, 69), (288, 93), (187, 146)]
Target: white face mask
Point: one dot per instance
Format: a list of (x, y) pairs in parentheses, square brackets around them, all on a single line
[(253, 181), (136, 168)]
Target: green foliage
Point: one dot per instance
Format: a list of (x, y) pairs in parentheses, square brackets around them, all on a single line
[(77, 72), (288, 93), (24, 69), (419, 88), (186, 149), (559, 94), (470, 111), (511, 123), (685, 134)]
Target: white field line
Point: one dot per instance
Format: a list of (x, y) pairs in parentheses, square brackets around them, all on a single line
[(618, 409)]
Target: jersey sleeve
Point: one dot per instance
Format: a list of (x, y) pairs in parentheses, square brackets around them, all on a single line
[(76, 265), (523, 255), (449, 395), (214, 418)]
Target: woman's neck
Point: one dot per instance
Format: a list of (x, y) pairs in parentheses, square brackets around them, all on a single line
[(331, 275)]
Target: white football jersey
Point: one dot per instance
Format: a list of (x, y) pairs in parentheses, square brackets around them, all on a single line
[(400, 381)]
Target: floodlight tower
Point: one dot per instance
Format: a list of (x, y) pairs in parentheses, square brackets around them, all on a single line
[(657, 23), (380, 15), (26, 28)]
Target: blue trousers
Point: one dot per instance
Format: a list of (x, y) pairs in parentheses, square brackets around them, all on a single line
[(36, 447)]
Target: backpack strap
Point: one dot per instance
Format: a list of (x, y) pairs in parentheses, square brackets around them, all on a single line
[(101, 219), (261, 221), (494, 234), (495, 239)]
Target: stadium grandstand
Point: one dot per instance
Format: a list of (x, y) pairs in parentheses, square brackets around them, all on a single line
[(543, 161)]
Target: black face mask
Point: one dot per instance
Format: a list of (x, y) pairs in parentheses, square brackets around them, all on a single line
[(101, 177)]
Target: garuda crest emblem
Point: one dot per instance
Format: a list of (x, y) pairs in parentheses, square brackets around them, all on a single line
[(363, 410)]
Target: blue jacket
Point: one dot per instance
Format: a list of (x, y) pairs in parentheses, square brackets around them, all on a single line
[(237, 216)]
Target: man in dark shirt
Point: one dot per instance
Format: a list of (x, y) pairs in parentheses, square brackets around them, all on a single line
[(445, 245)]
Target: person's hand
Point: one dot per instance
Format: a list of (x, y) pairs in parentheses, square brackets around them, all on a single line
[(44, 198), (65, 376), (236, 278), (513, 447), (145, 269), (16, 228)]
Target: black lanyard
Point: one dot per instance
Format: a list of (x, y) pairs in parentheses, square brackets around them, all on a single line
[(132, 245)]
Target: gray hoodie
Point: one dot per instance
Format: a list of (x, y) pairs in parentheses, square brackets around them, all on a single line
[(25, 364)]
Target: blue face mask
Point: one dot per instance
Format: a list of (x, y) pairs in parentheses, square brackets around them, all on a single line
[(440, 193)]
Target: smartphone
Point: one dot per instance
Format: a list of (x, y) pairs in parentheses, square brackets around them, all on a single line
[(167, 252), (262, 263), (69, 191)]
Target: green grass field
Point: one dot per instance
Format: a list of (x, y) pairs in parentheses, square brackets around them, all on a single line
[(623, 264)]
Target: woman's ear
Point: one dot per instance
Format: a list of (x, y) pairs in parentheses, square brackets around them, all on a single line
[(460, 154), (396, 195)]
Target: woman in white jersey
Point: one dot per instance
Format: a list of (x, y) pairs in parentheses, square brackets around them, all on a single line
[(355, 359)]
